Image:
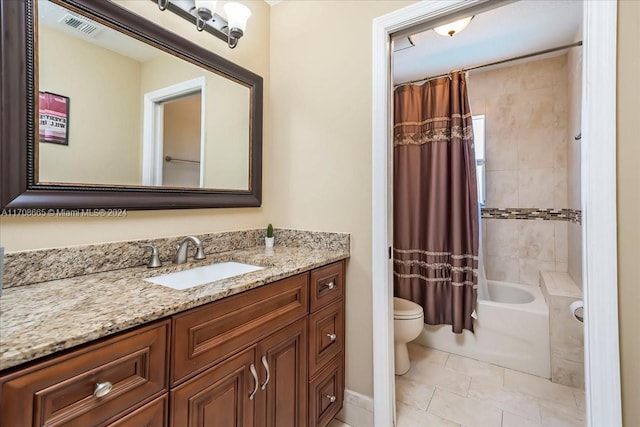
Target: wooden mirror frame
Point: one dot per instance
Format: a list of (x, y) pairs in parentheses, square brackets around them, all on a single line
[(18, 118)]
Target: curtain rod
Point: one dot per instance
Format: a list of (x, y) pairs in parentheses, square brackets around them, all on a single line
[(175, 159), (503, 61)]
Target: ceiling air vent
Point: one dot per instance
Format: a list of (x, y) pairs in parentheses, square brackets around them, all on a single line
[(81, 25)]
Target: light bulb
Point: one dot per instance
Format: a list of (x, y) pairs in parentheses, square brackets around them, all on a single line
[(238, 15)]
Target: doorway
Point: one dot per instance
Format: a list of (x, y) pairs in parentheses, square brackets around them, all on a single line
[(181, 142), (174, 140), (598, 202)]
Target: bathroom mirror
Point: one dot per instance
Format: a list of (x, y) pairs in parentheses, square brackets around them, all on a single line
[(105, 109)]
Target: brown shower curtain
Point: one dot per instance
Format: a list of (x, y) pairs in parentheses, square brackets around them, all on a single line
[(435, 201)]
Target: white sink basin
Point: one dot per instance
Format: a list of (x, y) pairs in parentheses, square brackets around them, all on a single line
[(200, 275)]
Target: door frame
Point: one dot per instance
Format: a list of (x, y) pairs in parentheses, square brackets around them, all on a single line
[(598, 189), (153, 119)]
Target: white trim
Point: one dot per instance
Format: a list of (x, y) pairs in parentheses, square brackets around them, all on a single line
[(203, 133), (383, 362), (153, 145), (357, 409), (599, 206), (152, 154), (599, 238)]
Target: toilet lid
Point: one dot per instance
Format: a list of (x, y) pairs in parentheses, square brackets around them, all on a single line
[(405, 309)]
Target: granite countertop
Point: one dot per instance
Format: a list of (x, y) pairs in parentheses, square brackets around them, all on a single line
[(43, 318)]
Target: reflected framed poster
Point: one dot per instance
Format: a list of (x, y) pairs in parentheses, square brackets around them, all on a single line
[(54, 118)]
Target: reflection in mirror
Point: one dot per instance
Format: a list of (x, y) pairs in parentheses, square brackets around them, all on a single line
[(182, 141), (135, 115)]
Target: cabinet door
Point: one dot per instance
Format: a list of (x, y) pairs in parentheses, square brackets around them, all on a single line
[(222, 396), (282, 399)]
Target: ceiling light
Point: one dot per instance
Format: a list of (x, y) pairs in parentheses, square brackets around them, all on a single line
[(453, 27), (238, 15), (204, 12), (206, 18)]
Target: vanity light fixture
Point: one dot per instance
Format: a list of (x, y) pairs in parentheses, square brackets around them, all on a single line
[(206, 18), (454, 27)]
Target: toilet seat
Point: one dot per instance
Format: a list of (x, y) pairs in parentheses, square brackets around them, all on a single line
[(406, 310)]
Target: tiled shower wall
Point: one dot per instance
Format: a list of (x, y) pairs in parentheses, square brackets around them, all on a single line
[(526, 120), (574, 74)]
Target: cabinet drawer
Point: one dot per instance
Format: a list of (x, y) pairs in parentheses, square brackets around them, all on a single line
[(153, 414), (326, 336), (327, 285), (326, 393), (61, 390), (206, 335)]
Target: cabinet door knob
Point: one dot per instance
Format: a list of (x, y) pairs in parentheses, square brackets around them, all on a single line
[(331, 398), (254, 373), (332, 337), (265, 363), (102, 389), (330, 285)]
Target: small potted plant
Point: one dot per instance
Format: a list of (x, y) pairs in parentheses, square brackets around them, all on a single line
[(268, 241)]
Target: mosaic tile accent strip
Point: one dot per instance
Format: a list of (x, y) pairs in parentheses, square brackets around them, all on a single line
[(571, 215), (42, 265)]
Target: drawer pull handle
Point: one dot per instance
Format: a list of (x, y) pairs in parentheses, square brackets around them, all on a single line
[(252, 368), (265, 363), (332, 337), (102, 389), (331, 398), (330, 285)]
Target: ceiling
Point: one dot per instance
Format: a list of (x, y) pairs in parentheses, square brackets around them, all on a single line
[(51, 15), (516, 29)]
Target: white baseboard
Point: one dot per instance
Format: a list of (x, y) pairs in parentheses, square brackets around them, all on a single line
[(357, 409)]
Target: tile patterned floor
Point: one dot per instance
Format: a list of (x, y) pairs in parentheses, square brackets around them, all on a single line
[(443, 389)]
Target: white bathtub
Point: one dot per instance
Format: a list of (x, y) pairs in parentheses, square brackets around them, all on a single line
[(512, 330)]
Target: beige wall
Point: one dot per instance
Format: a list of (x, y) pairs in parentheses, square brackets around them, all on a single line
[(104, 116), (525, 108), (629, 205), (18, 233), (321, 112)]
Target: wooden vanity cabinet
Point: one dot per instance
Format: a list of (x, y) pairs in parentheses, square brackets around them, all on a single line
[(268, 357), (326, 344), (263, 385), (207, 335), (130, 368)]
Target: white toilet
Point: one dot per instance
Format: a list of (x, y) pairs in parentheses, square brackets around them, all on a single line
[(408, 319)]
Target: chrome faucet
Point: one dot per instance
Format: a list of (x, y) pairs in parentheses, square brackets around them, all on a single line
[(181, 250)]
